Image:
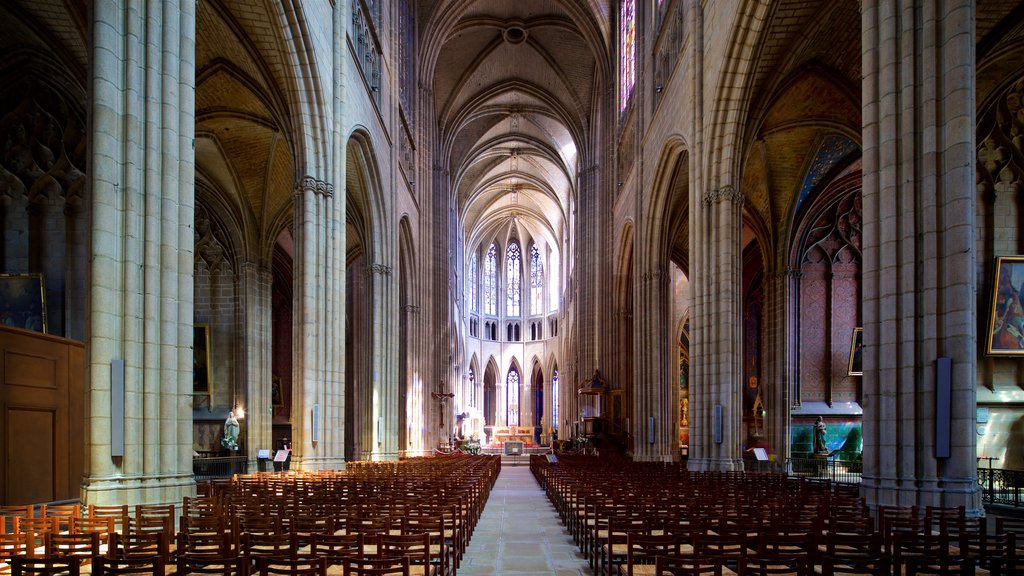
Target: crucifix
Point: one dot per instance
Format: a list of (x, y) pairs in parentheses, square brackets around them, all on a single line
[(443, 398)]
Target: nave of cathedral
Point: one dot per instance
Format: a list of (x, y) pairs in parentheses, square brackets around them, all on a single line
[(735, 235)]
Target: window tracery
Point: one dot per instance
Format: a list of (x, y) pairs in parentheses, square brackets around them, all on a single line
[(491, 281), (513, 268), (512, 395)]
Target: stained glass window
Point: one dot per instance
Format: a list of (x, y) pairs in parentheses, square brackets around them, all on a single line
[(473, 284), (536, 282), (627, 47), (512, 395), (554, 400), (491, 281), (513, 276)]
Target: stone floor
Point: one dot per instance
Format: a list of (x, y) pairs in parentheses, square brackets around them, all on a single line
[(520, 532)]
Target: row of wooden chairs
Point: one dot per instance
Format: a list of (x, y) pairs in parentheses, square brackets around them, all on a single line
[(155, 566), (288, 518), (796, 527)]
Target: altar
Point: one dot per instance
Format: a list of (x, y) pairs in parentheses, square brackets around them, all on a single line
[(502, 434)]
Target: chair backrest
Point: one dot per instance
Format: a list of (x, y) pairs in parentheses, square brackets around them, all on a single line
[(86, 545), (118, 513), (153, 565), (376, 566), (35, 529), (645, 548), (25, 566), (62, 512), (9, 513), (104, 527), (774, 566), (282, 546), (856, 566), (13, 544), (688, 566), (335, 547), (139, 545), (292, 567), (415, 547)]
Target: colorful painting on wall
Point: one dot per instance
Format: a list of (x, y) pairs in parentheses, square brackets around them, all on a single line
[(1006, 324)]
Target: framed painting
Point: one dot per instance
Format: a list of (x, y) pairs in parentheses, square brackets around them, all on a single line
[(23, 301), (201, 359), (1005, 334), (856, 366), (276, 395)]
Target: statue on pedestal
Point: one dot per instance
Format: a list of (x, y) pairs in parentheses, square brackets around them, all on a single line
[(819, 437)]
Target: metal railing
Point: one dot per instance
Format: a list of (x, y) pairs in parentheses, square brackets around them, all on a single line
[(1001, 487), (219, 467), (845, 471)]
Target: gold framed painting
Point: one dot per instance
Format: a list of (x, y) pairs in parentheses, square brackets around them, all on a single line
[(23, 301), (856, 365), (1005, 334)]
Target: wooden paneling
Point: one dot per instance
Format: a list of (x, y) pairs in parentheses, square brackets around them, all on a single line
[(42, 435), (30, 471)]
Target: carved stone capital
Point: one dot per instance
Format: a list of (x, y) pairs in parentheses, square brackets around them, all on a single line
[(412, 308), (725, 193), (381, 269), (310, 184)]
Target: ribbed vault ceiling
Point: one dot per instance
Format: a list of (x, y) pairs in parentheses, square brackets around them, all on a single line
[(513, 90)]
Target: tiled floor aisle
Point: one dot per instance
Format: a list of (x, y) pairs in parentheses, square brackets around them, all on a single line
[(520, 533)]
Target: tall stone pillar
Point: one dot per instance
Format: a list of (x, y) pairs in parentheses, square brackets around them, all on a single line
[(653, 420), (317, 348), (716, 401), (919, 260), (778, 378), (385, 363), (257, 312), (142, 165)]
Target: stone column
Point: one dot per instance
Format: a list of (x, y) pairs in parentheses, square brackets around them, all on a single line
[(655, 397), (257, 312), (142, 165), (779, 395), (384, 402), (717, 335), (318, 349), (919, 259)]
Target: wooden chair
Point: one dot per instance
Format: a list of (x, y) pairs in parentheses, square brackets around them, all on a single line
[(63, 513), (25, 566), (139, 545), (774, 566), (283, 546), (939, 566), (119, 514), (152, 565), (688, 566), (415, 547), (853, 565), (8, 514), (335, 548), (35, 530), (613, 546), (11, 545), (376, 566), (104, 527), (210, 565), (291, 567), (154, 517), (84, 546), (642, 550)]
